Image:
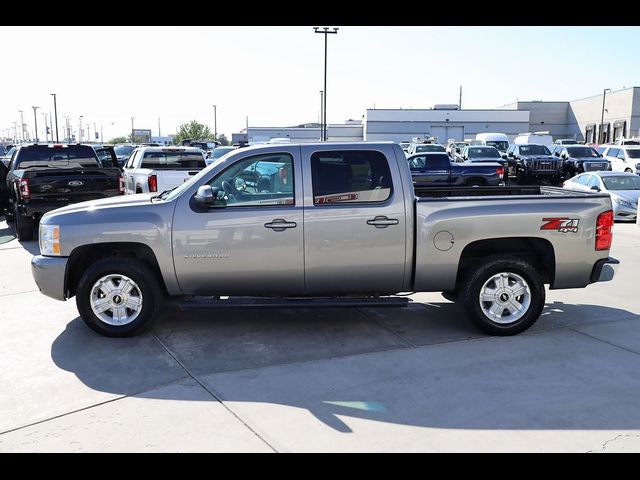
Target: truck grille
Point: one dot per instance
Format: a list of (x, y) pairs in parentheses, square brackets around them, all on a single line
[(544, 165), (594, 167)]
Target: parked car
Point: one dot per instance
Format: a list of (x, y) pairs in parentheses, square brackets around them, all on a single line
[(437, 169), (623, 158), (579, 159), (425, 147), (218, 152), (624, 189), (123, 152), (350, 230), (565, 141), (535, 138), (498, 140), (534, 161), (156, 169), (478, 153), (42, 178)]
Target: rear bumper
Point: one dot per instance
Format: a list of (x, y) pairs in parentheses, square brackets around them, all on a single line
[(604, 270), (49, 274)]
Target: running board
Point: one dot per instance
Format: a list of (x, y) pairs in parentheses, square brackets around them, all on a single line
[(259, 302)]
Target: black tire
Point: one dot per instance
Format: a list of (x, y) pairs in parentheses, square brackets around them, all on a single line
[(8, 215), (451, 295), (628, 170), (24, 226), (147, 282), (482, 273), (520, 177)]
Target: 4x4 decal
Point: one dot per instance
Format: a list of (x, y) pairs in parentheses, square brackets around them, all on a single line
[(562, 224)]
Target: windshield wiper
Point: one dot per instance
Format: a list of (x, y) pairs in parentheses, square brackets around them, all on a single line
[(161, 195)]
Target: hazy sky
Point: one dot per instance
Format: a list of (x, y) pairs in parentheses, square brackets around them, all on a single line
[(273, 75)]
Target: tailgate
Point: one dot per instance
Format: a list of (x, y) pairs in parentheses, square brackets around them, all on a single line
[(168, 179), (72, 185)]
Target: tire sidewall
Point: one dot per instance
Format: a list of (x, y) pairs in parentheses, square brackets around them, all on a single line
[(483, 274), (143, 276)]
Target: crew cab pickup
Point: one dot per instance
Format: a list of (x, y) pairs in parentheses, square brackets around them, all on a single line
[(534, 161), (436, 169), (156, 169), (343, 226), (42, 178)]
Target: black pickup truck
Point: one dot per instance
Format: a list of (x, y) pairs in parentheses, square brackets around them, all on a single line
[(436, 169), (42, 178)]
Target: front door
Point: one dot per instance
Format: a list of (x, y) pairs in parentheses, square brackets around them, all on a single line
[(432, 169), (354, 221), (254, 245)]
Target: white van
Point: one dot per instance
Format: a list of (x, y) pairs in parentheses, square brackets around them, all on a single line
[(498, 140), (535, 138)]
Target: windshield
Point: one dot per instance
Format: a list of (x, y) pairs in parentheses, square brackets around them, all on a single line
[(124, 150), (429, 148), (582, 152), (622, 182), (220, 151), (534, 150), (488, 152), (635, 153), (500, 145)]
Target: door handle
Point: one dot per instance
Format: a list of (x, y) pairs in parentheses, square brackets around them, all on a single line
[(280, 225), (382, 222), (193, 173)]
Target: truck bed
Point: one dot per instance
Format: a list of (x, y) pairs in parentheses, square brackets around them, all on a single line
[(430, 193)]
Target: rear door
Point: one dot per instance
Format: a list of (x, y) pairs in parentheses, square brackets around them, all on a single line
[(354, 220), (173, 166), (129, 172)]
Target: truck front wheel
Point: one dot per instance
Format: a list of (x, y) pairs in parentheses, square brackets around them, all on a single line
[(503, 296), (118, 297)]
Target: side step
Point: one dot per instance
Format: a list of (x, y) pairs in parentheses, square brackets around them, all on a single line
[(196, 303)]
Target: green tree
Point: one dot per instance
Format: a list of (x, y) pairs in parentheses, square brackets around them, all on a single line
[(119, 140), (193, 130), (222, 138)]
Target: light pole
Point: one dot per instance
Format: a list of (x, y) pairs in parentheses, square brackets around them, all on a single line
[(604, 97), (15, 132), (46, 128), (22, 124), (35, 119), (80, 129), (55, 112), (132, 137), (321, 117), (325, 31), (215, 122)]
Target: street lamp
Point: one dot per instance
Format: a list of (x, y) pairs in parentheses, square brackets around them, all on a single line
[(80, 129), (604, 96), (22, 124), (325, 31), (321, 117), (132, 137), (35, 119), (215, 123), (55, 111)]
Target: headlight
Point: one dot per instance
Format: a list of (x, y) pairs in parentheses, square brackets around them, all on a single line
[(49, 240), (624, 203)]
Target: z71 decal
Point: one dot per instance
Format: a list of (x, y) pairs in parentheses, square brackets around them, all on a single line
[(562, 225)]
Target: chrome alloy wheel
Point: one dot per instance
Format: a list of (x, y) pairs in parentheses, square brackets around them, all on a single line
[(505, 298), (116, 300)]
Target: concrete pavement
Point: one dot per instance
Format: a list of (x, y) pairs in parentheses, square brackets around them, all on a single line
[(414, 379)]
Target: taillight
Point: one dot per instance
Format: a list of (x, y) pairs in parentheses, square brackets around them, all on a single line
[(500, 171), (153, 183), (283, 174), (604, 235), (120, 185), (25, 192)]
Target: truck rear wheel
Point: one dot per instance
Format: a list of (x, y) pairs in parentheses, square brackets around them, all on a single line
[(24, 226), (118, 297), (503, 296)]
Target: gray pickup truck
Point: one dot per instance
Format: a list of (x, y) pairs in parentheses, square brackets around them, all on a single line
[(339, 224)]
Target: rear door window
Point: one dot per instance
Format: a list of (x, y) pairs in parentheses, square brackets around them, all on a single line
[(44, 156), (173, 161), (351, 176)]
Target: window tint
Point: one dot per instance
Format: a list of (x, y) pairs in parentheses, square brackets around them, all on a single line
[(429, 148), (350, 177), (633, 153), (258, 181), (43, 156), (593, 181), (173, 160), (581, 152), (582, 179), (534, 150), (417, 163), (124, 150), (626, 182), (601, 150), (613, 152), (487, 152)]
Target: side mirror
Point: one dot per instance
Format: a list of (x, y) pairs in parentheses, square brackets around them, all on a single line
[(207, 197), (510, 155), (595, 188), (504, 156)]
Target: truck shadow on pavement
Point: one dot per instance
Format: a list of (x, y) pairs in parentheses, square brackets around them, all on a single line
[(372, 364)]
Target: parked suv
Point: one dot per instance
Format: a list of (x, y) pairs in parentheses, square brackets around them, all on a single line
[(534, 161), (623, 158), (580, 159)]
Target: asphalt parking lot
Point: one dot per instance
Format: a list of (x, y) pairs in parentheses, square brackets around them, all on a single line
[(293, 380)]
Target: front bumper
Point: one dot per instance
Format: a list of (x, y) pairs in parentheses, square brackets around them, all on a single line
[(49, 274), (604, 270)]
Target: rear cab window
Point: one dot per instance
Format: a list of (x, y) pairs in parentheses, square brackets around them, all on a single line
[(173, 160), (351, 176), (49, 156)]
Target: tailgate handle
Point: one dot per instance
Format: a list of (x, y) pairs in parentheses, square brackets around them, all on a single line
[(383, 222), (280, 225)]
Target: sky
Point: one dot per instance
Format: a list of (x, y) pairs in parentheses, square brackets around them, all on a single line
[(273, 75)]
